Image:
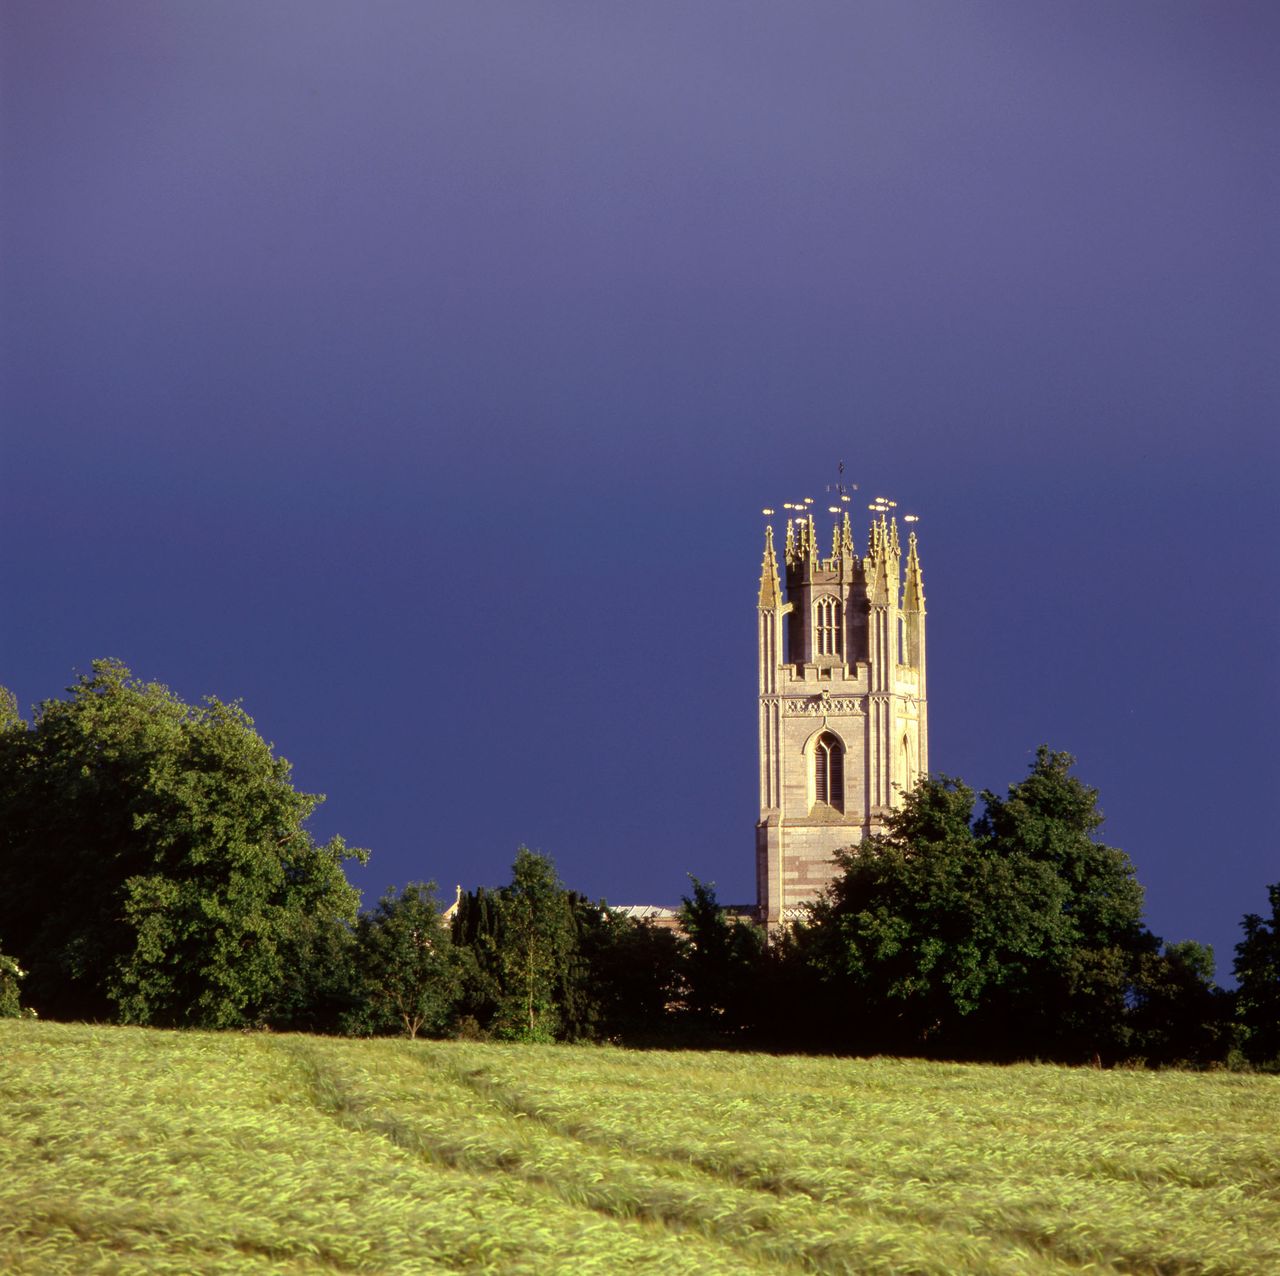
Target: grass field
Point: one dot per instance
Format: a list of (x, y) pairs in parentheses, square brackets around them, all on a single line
[(127, 1150)]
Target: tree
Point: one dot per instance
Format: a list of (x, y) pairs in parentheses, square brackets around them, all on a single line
[(720, 959), (912, 935), (404, 953), (578, 989), (634, 978), (154, 863), (1257, 971), (320, 989), (1179, 1016), (526, 952), (476, 933), (537, 942), (1017, 935), (11, 974), (10, 718), (1050, 818), (11, 977), (1067, 994)]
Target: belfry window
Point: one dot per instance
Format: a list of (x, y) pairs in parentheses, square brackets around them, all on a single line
[(826, 623), (828, 771)]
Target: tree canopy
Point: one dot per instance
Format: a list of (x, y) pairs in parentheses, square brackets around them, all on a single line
[(154, 860), (1016, 933), (721, 963), (155, 867), (11, 977), (406, 961), (1257, 970)]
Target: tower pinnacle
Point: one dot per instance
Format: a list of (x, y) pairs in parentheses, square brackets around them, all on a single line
[(913, 587), (770, 591)]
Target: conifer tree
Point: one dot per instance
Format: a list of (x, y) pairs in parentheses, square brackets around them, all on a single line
[(1257, 971)]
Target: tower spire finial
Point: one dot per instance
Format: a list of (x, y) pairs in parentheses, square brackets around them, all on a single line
[(913, 586), (913, 554), (770, 592)]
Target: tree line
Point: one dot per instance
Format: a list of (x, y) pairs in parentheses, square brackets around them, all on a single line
[(155, 868)]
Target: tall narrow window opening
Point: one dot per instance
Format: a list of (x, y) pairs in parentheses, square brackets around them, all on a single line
[(828, 771), (826, 622)]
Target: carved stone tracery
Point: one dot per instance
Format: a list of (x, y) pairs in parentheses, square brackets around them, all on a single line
[(816, 706)]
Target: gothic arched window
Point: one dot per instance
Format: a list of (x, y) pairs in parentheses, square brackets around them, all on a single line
[(826, 624), (828, 771)]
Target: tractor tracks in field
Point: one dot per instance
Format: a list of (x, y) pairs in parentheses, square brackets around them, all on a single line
[(724, 1173), (495, 1132), (447, 1111)]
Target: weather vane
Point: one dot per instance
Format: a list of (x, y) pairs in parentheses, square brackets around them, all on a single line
[(844, 494), (842, 490)]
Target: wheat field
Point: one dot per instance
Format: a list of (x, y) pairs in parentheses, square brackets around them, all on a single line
[(132, 1150)]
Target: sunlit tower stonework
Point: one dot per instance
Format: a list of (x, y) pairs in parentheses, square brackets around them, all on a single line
[(843, 714)]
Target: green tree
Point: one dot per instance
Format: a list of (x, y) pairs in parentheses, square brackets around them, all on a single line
[(914, 931), (1179, 1016), (538, 942), (635, 978), (11, 974), (10, 718), (1066, 995), (528, 957), (405, 957), (320, 989), (1013, 936), (154, 862), (579, 992), (1257, 971), (476, 932), (1050, 818), (720, 960), (11, 977)]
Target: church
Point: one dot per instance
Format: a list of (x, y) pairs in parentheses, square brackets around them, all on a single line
[(842, 703)]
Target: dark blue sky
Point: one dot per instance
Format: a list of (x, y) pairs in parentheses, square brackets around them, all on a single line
[(416, 372)]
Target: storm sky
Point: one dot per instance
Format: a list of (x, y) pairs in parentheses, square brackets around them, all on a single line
[(416, 372)]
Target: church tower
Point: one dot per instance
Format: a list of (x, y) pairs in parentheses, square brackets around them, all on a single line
[(843, 721)]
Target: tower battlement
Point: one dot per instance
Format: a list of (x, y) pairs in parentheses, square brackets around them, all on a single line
[(842, 701)]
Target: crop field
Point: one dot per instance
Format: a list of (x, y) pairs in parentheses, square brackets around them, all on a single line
[(129, 1150)]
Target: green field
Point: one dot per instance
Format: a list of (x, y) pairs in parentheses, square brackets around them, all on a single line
[(131, 1150)]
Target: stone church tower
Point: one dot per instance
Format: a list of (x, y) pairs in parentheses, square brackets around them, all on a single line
[(843, 720)]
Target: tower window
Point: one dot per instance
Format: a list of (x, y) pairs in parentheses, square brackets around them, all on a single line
[(828, 771), (826, 620)]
